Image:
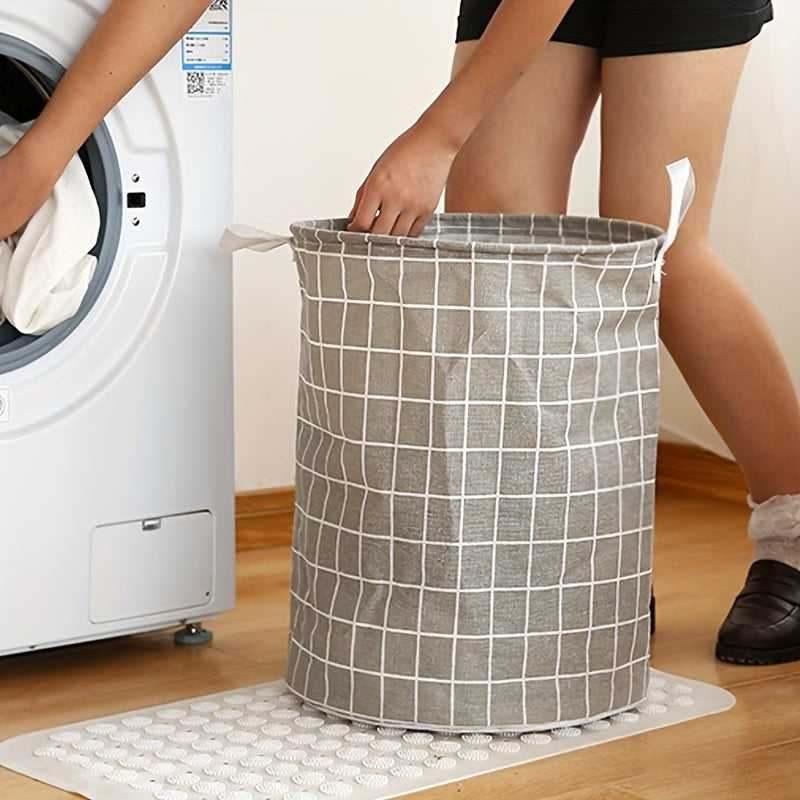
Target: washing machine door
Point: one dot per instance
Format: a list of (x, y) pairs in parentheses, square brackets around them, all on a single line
[(28, 76), (161, 217)]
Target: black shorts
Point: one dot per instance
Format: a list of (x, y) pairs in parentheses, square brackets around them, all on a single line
[(629, 28)]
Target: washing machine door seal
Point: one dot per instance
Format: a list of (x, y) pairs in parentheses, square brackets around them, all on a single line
[(30, 75)]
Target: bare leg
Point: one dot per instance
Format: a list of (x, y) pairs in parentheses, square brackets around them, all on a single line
[(656, 109), (519, 159)]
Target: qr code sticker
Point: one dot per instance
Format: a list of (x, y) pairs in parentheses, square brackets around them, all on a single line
[(196, 82), (219, 5)]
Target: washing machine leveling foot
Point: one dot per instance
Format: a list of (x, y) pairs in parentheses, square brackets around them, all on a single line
[(193, 633)]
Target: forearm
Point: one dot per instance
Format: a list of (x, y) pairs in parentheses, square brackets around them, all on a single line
[(518, 31), (130, 39)]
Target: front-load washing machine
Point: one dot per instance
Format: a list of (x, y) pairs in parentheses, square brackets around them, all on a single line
[(116, 441)]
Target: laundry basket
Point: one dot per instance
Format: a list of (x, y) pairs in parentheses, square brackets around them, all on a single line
[(476, 443)]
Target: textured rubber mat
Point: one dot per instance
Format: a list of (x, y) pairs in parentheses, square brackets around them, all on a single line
[(262, 743)]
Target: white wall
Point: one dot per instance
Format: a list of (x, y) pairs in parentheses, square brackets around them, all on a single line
[(323, 85)]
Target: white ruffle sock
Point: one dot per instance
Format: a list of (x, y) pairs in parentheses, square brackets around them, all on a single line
[(775, 527)]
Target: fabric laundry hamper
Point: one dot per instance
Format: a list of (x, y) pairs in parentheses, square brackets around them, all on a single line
[(476, 444)]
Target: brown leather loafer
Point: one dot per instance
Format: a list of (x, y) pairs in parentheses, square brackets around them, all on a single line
[(763, 625)]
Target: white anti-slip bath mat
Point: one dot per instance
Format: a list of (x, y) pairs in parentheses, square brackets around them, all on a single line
[(262, 743)]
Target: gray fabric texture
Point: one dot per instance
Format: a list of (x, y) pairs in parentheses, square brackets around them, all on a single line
[(476, 442)]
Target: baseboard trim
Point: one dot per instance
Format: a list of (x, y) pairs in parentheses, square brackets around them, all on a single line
[(694, 470), (264, 501), (264, 518)]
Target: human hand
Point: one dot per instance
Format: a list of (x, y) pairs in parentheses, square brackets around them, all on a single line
[(24, 187), (403, 188)]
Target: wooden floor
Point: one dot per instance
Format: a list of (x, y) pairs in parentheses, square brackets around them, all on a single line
[(702, 554)]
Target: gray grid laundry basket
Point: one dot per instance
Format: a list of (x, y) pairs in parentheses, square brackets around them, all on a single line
[(476, 445)]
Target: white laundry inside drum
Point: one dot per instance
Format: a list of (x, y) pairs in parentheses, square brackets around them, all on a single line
[(27, 78), (262, 742), (46, 266)]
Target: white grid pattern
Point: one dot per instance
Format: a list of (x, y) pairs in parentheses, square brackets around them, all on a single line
[(477, 419)]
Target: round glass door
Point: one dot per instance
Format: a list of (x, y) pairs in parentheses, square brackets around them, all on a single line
[(27, 79)]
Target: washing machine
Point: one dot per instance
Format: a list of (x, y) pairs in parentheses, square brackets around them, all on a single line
[(116, 440)]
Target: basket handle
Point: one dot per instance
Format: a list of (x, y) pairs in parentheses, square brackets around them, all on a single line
[(243, 237), (681, 178)]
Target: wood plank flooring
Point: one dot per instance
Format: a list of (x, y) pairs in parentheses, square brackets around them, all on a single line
[(701, 557)]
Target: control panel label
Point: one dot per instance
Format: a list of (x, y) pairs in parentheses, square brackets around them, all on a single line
[(207, 52)]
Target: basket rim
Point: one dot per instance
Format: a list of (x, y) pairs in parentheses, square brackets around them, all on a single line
[(332, 231)]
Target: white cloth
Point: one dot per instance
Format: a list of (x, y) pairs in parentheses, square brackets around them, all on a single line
[(45, 268)]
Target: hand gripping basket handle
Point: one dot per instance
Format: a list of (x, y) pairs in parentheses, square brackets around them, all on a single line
[(681, 178)]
